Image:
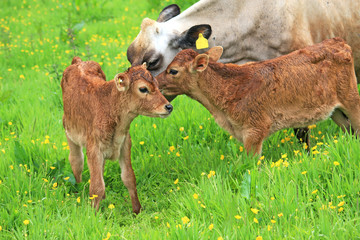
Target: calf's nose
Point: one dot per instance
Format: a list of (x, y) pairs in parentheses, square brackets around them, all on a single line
[(169, 108)]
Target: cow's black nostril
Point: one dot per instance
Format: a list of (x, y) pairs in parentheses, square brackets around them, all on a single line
[(169, 108)]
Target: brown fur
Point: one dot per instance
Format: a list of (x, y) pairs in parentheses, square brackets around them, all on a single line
[(97, 115), (254, 100)]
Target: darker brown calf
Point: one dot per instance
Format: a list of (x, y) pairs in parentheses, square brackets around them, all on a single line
[(254, 100), (97, 115)]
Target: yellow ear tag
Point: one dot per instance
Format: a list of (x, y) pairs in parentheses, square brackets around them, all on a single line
[(201, 42)]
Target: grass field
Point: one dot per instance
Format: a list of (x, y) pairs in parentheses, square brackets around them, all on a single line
[(194, 180)]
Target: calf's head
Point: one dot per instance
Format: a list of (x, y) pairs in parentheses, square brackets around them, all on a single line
[(158, 42), (142, 92), (184, 72)]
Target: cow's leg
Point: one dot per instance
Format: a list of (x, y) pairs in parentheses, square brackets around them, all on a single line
[(76, 159), (95, 163), (127, 173), (253, 141), (341, 120), (352, 111), (302, 134)]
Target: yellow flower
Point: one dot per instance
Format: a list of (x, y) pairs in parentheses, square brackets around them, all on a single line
[(186, 138), (154, 125), (241, 148), (29, 201), (156, 217), (26, 222), (181, 129), (268, 227), (66, 178), (201, 127), (211, 227), (111, 206), (220, 238), (64, 143), (196, 196), (168, 224), (284, 155), (141, 143), (185, 220), (211, 173), (93, 196), (259, 238), (108, 235), (176, 181), (341, 209), (172, 148), (45, 180), (237, 216), (272, 221), (336, 163), (254, 210), (202, 205), (52, 168), (272, 198), (222, 157), (341, 204), (10, 123), (0, 228), (55, 185), (314, 192), (280, 214), (78, 199), (255, 220), (178, 154), (304, 172)]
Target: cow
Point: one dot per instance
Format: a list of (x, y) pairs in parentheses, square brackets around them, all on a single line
[(248, 30), (97, 116), (254, 100)]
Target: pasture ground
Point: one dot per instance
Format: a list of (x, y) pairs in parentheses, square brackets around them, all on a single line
[(194, 180)]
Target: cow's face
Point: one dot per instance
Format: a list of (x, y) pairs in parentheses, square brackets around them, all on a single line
[(158, 43)]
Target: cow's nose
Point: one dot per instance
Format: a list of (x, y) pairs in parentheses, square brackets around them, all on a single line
[(169, 108)]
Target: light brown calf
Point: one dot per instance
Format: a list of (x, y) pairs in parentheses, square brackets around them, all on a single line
[(254, 100), (97, 115)]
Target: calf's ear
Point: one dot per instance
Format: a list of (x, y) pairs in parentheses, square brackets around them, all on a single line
[(168, 12), (200, 63), (215, 53), (188, 38), (121, 81)]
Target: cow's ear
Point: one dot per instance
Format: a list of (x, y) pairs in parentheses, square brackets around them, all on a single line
[(200, 63), (122, 81), (215, 53), (168, 12), (188, 38)]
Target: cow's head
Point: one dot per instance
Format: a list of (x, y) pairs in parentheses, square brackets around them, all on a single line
[(158, 43)]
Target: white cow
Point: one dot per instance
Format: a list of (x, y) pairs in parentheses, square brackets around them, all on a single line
[(248, 30)]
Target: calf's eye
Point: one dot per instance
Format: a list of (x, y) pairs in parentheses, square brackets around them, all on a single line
[(143, 90), (173, 71)]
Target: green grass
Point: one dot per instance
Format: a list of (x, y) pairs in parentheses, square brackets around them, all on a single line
[(297, 195)]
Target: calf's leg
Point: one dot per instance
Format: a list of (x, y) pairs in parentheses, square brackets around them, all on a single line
[(341, 120), (253, 141), (127, 173), (97, 184), (76, 159)]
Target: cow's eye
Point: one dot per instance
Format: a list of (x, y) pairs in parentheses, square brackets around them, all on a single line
[(173, 71), (143, 90), (153, 63)]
